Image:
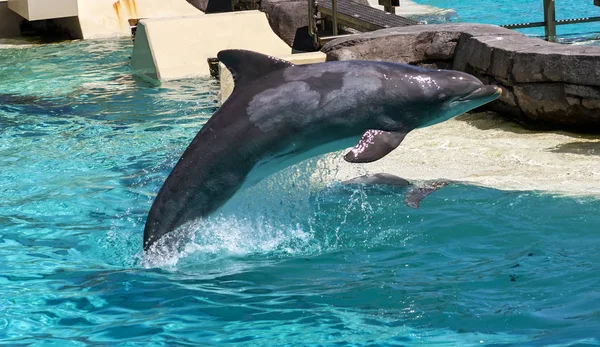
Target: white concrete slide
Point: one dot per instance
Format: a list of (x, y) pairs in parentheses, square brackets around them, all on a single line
[(177, 48), (103, 18)]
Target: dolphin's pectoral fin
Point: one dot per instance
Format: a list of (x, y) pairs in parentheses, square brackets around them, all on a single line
[(415, 195), (374, 145), (246, 66)]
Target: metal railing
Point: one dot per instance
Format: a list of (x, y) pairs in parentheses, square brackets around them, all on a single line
[(327, 19), (312, 17), (550, 21)]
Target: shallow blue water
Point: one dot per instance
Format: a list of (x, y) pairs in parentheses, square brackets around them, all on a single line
[(501, 12), (84, 146)]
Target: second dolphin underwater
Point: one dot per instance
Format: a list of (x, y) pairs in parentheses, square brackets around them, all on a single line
[(280, 114), (414, 193)]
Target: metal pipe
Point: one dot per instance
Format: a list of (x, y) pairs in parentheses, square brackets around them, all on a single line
[(550, 20), (577, 20), (326, 39), (334, 10), (311, 19), (558, 22), (524, 25), (313, 31)]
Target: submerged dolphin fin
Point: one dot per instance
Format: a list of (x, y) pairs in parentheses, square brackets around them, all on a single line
[(247, 66), (374, 145), (379, 179), (415, 195)]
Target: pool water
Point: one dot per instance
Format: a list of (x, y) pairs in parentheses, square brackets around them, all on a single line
[(84, 147), (502, 12)]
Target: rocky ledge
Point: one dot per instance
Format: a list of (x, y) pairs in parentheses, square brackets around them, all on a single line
[(545, 85)]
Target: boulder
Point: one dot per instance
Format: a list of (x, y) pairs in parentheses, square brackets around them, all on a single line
[(545, 85), (289, 20), (404, 46)]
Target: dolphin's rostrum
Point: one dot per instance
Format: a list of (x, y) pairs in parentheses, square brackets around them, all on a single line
[(280, 114)]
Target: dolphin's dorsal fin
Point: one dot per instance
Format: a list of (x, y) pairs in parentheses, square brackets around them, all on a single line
[(246, 66), (374, 145)]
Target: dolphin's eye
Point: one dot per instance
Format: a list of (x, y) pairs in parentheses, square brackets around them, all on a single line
[(442, 96)]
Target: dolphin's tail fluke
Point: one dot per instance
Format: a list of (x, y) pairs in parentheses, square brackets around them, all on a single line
[(415, 195)]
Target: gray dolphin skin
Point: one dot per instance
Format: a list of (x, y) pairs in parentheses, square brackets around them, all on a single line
[(415, 194), (280, 114), (378, 179)]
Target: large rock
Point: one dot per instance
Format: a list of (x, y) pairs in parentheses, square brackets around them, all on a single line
[(289, 20), (545, 85), (416, 48)]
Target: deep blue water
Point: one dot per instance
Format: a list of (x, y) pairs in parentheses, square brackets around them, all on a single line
[(84, 147), (501, 12)]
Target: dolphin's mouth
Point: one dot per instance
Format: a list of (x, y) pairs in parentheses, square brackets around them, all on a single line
[(484, 93)]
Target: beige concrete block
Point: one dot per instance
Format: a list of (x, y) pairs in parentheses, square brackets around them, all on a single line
[(226, 79), (180, 47), (304, 58), (43, 9), (226, 83)]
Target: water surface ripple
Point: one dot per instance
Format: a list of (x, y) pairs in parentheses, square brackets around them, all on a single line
[(84, 147)]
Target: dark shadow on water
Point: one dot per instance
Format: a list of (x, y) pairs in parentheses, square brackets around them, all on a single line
[(32, 105), (583, 148)]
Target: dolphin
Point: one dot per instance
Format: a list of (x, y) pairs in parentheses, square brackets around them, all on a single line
[(280, 114), (415, 193), (32, 105), (378, 179)]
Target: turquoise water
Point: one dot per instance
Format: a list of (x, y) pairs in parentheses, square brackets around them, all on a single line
[(501, 12), (84, 146)]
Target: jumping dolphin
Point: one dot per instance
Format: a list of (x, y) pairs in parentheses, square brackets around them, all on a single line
[(280, 114)]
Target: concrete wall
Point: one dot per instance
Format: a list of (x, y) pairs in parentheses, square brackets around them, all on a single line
[(9, 21), (545, 85), (90, 18), (43, 9)]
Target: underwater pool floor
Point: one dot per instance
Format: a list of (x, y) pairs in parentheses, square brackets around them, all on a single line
[(485, 149), (85, 145)]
